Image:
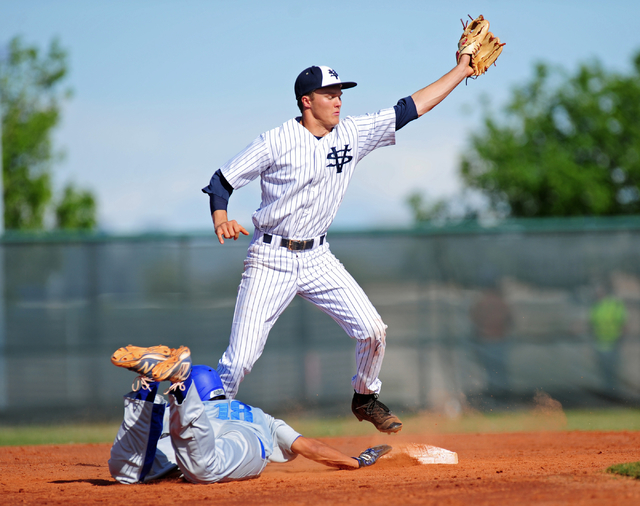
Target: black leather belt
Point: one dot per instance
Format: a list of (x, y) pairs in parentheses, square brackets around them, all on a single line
[(292, 245)]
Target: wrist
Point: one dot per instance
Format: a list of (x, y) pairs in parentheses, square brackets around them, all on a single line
[(465, 59), (465, 65), (219, 218)]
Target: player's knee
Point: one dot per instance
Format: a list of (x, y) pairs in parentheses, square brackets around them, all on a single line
[(235, 365), (380, 331), (376, 332)]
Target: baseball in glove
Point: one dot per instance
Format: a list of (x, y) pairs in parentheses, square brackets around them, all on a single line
[(479, 43)]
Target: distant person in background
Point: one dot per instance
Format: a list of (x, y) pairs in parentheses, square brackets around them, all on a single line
[(608, 317), (491, 317)]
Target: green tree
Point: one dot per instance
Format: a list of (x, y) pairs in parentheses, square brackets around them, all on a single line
[(567, 145), (76, 210), (424, 210), (31, 93)]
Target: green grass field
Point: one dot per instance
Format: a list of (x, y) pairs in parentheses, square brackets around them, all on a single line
[(602, 420), (631, 469)]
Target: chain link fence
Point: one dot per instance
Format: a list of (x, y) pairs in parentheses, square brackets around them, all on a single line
[(482, 317)]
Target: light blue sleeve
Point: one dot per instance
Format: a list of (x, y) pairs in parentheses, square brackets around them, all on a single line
[(283, 436)]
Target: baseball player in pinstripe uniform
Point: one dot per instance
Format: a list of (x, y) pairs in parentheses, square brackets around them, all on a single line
[(208, 437), (304, 167)]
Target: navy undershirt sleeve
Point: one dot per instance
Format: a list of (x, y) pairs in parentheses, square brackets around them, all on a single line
[(219, 191), (405, 112)]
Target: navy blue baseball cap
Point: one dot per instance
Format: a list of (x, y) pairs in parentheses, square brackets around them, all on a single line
[(312, 78)]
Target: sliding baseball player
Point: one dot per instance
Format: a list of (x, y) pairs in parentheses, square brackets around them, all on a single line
[(200, 432)]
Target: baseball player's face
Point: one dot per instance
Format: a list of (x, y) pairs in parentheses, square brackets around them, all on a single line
[(326, 104)]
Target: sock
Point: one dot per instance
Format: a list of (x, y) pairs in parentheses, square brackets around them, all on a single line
[(179, 394), (148, 395)]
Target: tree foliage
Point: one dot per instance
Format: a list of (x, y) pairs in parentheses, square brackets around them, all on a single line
[(31, 93), (568, 145), (424, 210), (76, 210)]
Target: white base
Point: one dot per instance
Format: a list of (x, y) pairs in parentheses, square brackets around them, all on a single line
[(426, 454)]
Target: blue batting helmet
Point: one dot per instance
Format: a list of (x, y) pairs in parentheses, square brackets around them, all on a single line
[(207, 381)]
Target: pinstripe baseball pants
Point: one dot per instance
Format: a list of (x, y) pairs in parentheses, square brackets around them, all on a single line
[(272, 277)]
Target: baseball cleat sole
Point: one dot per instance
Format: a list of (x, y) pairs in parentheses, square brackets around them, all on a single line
[(175, 368), (139, 359)]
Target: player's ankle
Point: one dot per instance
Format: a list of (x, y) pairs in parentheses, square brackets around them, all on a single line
[(179, 390)]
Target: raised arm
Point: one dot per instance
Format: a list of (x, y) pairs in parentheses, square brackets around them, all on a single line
[(427, 98)]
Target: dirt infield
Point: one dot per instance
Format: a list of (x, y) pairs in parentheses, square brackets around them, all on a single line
[(519, 468)]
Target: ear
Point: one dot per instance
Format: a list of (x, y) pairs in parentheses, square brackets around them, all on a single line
[(306, 101)]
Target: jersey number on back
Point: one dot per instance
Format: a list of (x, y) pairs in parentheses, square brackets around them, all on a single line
[(239, 411)]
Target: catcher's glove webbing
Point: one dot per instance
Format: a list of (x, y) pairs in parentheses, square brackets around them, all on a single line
[(479, 43), (371, 455)]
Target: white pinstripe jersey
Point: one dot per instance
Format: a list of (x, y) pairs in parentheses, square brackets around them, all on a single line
[(304, 179)]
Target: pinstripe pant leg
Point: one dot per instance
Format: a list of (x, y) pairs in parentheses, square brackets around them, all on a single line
[(267, 287), (326, 283)]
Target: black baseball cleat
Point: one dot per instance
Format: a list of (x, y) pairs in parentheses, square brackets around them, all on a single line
[(368, 407)]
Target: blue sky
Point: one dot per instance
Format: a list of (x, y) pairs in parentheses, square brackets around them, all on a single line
[(166, 91)]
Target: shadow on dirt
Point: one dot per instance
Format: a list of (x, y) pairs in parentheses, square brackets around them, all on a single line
[(97, 483)]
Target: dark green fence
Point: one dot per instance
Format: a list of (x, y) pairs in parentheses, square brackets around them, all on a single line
[(479, 316)]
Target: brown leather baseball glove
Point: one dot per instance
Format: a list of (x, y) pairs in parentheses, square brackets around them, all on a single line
[(478, 42)]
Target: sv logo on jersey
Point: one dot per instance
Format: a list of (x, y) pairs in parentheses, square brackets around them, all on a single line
[(340, 156)]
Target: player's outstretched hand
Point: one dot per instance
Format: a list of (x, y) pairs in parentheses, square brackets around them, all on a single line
[(371, 455), (230, 230)]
